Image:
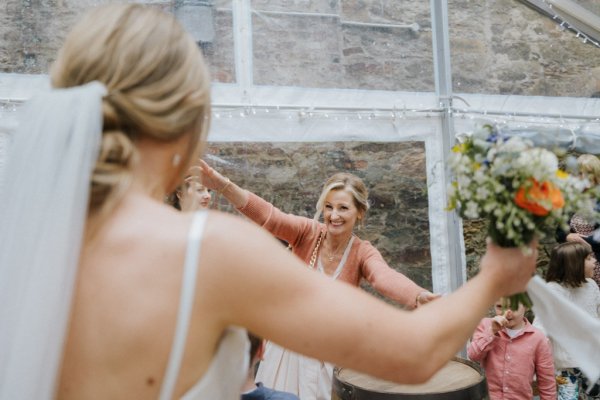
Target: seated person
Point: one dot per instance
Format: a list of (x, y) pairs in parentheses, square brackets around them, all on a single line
[(256, 391)]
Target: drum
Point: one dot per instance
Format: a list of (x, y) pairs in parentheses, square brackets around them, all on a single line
[(459, 379)]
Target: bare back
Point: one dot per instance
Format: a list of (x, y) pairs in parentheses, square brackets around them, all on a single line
[(125, 308)]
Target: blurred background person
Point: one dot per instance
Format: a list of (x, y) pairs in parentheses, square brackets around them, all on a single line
[(256, 390), (582, 227)]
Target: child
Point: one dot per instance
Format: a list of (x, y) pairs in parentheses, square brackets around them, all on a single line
[(569, 273), (512, 351), (256, 391)]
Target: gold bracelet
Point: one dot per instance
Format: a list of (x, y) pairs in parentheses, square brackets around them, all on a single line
[(417, 299), (225, 186)]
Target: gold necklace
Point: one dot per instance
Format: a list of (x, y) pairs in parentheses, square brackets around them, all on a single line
[(335, 254)]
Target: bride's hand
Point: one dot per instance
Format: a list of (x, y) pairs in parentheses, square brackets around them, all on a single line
[(511, 268)]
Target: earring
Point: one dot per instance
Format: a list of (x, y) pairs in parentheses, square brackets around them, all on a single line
[(176, 159)]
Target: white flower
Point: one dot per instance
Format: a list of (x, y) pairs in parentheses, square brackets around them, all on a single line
[(541, 163), (515, 144), (482, 193), (464, 181), (472, 211)]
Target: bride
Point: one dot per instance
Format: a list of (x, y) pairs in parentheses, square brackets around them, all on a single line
[(106, 292)]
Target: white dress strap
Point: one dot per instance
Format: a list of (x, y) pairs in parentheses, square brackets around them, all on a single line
[(186, 301)]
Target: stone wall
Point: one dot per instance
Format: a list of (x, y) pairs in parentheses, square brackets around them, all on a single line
[(31, 32), (498, 46), (504, 47)]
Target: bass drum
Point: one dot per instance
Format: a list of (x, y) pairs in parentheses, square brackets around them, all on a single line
[(460, 379)]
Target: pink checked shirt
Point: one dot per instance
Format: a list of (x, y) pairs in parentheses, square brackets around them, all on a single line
[(510, 364)]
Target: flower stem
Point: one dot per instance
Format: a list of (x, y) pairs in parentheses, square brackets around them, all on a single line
[(519, 298)]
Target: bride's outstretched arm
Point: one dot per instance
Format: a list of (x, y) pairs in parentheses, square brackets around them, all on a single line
[(251, 281)]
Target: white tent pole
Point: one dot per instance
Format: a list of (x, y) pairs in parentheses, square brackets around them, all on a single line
[(242, 44), (454, 273)]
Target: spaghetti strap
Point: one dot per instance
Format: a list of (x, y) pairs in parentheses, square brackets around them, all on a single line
[(186, 301)]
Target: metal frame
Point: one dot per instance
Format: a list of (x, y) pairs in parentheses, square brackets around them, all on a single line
[(456, 271)]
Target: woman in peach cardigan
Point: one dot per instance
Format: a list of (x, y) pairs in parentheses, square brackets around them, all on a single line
[(330, 248)]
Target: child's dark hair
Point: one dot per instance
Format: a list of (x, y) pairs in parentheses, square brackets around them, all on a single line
[(567, 263)]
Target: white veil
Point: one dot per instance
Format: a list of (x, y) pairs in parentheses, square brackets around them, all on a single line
[(43, 210)]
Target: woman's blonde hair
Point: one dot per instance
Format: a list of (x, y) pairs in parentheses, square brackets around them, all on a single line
[(589, 166), (350, 183), (157, 84)]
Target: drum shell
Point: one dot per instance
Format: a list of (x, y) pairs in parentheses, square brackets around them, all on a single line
[(478, 390)]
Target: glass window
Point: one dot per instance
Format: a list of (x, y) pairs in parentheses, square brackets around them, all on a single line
[(353, 44), (215, 21), (501, 47), (33, 32)]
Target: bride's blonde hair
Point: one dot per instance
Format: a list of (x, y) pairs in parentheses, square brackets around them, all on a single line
[(157, 84)]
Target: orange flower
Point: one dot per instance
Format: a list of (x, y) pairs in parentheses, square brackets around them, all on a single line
[(539, 198)]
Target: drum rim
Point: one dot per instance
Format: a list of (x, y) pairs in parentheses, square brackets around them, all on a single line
[(338, 383)]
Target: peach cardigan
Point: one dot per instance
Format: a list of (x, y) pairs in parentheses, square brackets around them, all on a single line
[(364, 260)]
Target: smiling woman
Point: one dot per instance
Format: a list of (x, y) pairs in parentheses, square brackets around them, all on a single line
[(331, 248)]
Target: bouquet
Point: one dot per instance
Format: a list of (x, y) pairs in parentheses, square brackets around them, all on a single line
[(517, 187)]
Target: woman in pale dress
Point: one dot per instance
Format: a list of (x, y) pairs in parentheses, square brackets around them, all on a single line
[(120, 296)]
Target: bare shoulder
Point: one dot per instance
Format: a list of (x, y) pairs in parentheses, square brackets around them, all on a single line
[(142, 234), (224, 228), (229, 239), (234, 236)]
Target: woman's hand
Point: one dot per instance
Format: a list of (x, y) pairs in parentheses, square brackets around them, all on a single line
[(575, 237), (425, 297), (210, 177)]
